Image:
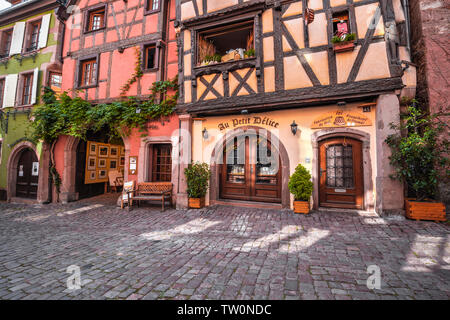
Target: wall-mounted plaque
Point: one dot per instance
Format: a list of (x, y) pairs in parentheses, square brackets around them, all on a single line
[(339, 118), (133, 165)]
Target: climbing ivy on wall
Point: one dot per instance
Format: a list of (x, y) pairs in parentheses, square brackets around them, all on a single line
[(136, 75), (65, 115)]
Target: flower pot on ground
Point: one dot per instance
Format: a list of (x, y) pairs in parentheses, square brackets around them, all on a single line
[(421, 210), (420, 158), (197, 176), (301, 187)]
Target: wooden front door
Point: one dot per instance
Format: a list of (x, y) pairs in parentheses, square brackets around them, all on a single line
[(340, 172), (251, 171), (27, 175)]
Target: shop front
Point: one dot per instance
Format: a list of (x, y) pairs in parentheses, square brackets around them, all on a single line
[(253, 155)]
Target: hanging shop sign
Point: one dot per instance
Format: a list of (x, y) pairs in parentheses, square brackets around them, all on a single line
[(340, 118), (256, 120), (102, 158)]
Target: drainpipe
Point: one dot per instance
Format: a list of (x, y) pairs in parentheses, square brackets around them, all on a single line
[(408, 40)]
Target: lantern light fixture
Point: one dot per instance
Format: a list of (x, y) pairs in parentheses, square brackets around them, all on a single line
[(205, 133), (293, 127)]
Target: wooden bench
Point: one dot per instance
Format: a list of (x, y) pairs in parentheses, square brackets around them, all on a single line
[(145, 191)]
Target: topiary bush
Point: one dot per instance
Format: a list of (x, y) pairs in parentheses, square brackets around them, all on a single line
[(197, 176), (300, 184)]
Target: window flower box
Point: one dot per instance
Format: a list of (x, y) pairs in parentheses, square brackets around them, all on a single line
[(344, 43)]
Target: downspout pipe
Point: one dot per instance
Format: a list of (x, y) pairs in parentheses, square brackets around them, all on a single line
[(408, 31)]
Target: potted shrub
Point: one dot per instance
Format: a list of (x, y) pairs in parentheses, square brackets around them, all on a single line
[(419, 156), (301, 187), (197, 176), (343, 43)]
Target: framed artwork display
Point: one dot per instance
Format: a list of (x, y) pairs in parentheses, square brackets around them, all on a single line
[(114, 152), (93, 149), (112, 164), (103, 151), (102, 163), (102, 174), (91, 163)]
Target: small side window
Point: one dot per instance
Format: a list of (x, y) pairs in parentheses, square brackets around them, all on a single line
[(27, 82), (150, 57), (55, 81), (5, 43), (33, 36), (88, 73), (341, 24)]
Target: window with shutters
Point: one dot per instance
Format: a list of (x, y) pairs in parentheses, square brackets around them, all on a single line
[(88, 72), (152, 6), (27, 85), (6, 39), (33, 36), (161, 168), (2, 91)]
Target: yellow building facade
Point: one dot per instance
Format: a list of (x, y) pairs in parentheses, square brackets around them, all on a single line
[(312, 82)]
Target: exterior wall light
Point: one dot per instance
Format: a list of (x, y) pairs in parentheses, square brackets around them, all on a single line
[(205, 133), (293, 127)]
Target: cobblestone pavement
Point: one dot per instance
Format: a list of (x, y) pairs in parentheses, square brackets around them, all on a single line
[(217, 253)]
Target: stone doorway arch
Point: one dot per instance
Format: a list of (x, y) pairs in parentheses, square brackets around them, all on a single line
[(217, 153), (362, 136)]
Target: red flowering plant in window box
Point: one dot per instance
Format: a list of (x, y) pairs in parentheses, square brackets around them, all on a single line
[(345, 42)]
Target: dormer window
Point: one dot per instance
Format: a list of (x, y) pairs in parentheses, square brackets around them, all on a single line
[(226, 43)]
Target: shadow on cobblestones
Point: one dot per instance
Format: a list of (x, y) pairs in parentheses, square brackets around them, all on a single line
[(216, 253)]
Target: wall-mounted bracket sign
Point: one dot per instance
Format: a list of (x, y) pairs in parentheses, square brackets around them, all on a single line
[(339, 118), (133, 165), (255, 120)]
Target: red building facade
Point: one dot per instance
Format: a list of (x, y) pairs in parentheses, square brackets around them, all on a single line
[(102, 43)]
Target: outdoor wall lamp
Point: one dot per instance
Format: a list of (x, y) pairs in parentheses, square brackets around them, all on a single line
[(293, 127), (205, 133)]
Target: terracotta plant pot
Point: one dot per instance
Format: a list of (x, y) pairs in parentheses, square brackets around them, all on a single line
[(301, 207), (196, 203), (419, 210), (343, 46)]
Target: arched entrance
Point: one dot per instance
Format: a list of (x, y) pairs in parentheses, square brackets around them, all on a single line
[(348, 150), (250, 164), (27, 174)]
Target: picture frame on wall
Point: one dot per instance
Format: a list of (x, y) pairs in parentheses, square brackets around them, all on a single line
[(91, 165), (114, 152), (93, 149), (102, 174), (103, 151), (92, 175), (102, 163), (112, 164)]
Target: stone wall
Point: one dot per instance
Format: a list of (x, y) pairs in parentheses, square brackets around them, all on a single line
[(430, 34)]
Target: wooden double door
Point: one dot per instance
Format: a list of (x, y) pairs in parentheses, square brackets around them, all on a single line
[(341, 173), (251, 170), (27, 175)]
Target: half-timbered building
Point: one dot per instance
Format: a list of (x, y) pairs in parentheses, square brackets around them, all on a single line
[(315, 82), (103, 43)]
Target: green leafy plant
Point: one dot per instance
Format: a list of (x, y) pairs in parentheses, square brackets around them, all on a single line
[(419, 151), (300, 184), (136, 75), (197, 176), (347, 37), (249, 52)]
